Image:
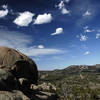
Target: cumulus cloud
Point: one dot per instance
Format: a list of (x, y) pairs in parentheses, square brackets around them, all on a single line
[(4, 12), (61, 6), (87, 13), (4, 6), (87, 53), (24, 19), (40, 46), (83, 37), (58, 31), (65, 11), (97, 35), (87, 30), (21, 42), (43, 19)]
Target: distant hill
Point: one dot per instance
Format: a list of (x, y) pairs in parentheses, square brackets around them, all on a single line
[(75, 69)]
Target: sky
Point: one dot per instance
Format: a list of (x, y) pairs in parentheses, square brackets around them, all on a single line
[(54, 33)]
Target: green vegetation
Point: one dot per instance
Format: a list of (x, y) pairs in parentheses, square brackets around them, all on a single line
[(77, 86)]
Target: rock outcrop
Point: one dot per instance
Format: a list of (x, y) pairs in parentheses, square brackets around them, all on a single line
[(18, 73), (19, 64)]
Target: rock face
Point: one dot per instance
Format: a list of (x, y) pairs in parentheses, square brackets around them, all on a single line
[(19, 64), (18, 95), (17, 74), (14, 95), (7, 78)]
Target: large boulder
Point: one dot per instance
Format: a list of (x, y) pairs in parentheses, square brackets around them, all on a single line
[(19, 64)]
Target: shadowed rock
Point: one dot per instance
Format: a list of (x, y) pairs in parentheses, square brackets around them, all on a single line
[(7, 81), (18, 95)]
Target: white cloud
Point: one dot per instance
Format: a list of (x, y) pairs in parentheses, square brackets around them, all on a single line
[(87, 13), (58, 31), (37, 52), (21, 42), (86, 27), (3, 13), (24, 19), (61, 6), (87, 30), (40, 46), (83, 37), (67, 1), (44, 18), (4, 6), (97, 35), (14, 39), (87, 53), (65, 11)]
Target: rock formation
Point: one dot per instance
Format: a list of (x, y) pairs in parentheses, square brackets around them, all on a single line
[(19, 64), (18, 73)]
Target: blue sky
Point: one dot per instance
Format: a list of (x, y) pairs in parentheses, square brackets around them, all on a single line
[(54, 33)]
